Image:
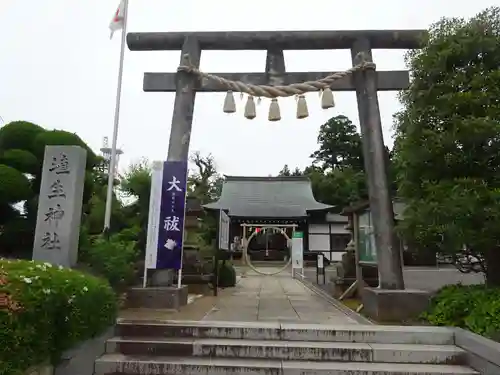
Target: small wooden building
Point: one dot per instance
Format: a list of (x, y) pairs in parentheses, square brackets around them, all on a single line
[(282, 201)]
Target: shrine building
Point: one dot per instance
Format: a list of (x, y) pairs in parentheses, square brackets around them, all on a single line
[(252, 202)]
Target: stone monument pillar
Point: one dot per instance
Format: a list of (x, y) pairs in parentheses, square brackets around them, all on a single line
[(60, 205)]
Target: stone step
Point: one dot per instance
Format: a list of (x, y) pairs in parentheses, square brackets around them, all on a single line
[(119, 364), (288, 332), (288, 350)]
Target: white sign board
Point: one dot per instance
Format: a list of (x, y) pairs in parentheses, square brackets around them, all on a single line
[(223, 231), (154, 215), (320, 261), (298, 251)]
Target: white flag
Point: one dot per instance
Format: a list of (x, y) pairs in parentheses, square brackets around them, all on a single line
[(118, 19)]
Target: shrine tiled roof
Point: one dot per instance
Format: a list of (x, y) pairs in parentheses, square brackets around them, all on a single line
[(267, 197)]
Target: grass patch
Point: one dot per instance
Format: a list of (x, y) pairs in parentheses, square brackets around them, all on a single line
[(352, 303)]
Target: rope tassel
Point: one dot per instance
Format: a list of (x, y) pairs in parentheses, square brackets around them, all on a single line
[(322, 85), (274, 110), (327, 100), (250, 112), (302, 111), (229, 103), (279, 91)]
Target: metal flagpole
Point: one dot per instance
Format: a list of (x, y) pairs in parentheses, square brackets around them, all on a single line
[(112, 163)]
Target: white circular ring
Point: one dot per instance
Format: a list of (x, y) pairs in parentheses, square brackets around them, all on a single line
[(249, 263)]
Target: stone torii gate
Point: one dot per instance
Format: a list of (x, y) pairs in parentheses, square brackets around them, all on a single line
[(365, 82)]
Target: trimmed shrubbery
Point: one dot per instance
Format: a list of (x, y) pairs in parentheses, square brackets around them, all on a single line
[(22, 148), (474, 307), (45, 310), (227, 275), (113, 259)]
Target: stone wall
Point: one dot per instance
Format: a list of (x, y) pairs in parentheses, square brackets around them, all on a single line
[(79, 360), (482, 353)]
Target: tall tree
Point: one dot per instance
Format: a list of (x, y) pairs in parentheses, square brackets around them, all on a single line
[(337, 173), (339, 145), (204, 182), (286, 172), (448, 139), (136, 184)]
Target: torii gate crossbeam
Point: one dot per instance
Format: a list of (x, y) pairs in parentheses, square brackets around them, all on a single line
[(366, 84)]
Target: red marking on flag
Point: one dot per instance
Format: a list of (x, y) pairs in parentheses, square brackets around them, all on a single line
[(117, 16)]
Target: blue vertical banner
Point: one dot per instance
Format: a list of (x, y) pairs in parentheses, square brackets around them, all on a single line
[(172, 215)]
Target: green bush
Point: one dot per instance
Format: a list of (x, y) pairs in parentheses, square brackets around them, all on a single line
[(484, 319), (24, 161), (19, 135), (113, 259), (61, 138), (227, 275), (45, 310), (451, 305), (15, 187), (16, 238), (128, 234), (473, 307)]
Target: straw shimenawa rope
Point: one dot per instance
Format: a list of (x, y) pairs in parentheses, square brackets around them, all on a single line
[(278, 91)]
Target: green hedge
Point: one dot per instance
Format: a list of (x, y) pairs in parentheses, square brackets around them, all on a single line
[(15, 186), (473, 307), (22, 160), (45, 310), (227, 275), (114, 259), (19, 135)]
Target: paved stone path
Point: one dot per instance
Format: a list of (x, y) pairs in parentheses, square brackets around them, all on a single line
[(275, 298)]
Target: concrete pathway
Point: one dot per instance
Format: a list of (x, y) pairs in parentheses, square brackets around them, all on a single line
[(423, 278), (275, 298)]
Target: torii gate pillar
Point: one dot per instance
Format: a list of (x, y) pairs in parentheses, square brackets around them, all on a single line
[(366, 84)]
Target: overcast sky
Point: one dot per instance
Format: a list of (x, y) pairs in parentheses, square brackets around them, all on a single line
[(58, 69)]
